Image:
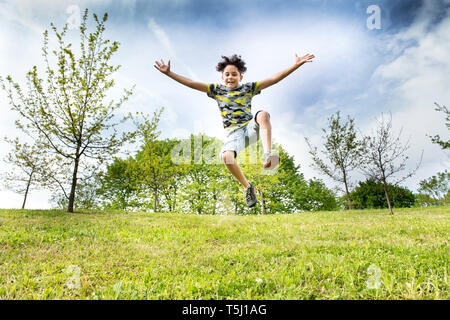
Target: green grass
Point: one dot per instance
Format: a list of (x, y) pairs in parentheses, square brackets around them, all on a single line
[(323, 255)]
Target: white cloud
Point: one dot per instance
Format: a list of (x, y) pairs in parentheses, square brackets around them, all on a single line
[(8, 11), (167, 44), (413, 81), (408, 84)]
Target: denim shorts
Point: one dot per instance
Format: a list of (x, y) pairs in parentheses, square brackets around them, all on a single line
[(238, 139)]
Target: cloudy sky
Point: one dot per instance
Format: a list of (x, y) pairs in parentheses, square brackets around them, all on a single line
[(401, 67)]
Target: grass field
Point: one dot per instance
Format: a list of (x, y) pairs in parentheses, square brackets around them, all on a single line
[(322, 255)]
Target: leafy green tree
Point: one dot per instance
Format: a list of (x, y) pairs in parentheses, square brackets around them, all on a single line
[(232, 200), (384, 156), (196, 191), (152, 167), (88, 195), (342, 149), (215, 187), (27, 168), (126, 183), (204, 186), (318, 197), (202, 183), (168, 174), (290, 183), (170, 190), (69, 113), (435, 190), (285, 189), (118, 189), (444, 144), (370, 194), (298, 194)]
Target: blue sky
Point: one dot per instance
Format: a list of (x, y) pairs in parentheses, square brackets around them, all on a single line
[(401, 68)]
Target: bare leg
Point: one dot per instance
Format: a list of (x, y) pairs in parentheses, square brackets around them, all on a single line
[(234, 168), (265, 130)]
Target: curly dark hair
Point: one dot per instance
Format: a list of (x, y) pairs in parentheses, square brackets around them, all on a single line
[(235, 60)]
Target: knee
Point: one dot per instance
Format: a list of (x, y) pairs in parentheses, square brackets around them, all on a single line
[(228, 157), (263, 117)]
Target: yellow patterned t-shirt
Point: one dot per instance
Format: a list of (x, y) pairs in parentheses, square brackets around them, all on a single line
[(234, 104)]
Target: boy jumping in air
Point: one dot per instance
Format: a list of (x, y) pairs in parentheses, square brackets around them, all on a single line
[(234, 100)]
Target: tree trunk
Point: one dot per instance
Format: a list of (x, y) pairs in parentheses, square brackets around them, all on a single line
[(263, 203), (155, 202), (199, 208), (171, 198), (349, 200), (74, 185), (215, 201), (387, 198), (27, 189), (174, 203), (169, 202)]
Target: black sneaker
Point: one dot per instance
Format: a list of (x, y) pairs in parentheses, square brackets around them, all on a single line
[(250, 196)]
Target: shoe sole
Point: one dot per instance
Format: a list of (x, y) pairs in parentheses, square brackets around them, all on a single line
[(252, 205), (274, 161)]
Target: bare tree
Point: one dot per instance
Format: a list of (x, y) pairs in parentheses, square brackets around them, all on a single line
[(384, 156), (342, 149)]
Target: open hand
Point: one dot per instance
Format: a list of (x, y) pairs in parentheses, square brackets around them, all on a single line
[(164, 68), (301, 60)]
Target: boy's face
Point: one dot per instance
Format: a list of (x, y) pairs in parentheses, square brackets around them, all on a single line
[(231, 76)]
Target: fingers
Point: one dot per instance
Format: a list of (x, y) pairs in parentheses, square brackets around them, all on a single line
[(161, 66), (308, 57), (161, 62), (305, 57)]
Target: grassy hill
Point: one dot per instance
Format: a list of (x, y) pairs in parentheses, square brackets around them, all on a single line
[(364, 254)]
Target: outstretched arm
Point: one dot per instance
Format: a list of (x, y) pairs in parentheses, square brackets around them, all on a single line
[(165, 68), (299, 61)]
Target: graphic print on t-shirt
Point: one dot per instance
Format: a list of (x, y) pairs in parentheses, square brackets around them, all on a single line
[(234, 104)]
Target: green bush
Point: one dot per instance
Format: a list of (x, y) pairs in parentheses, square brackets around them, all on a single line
[(370, 195)]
